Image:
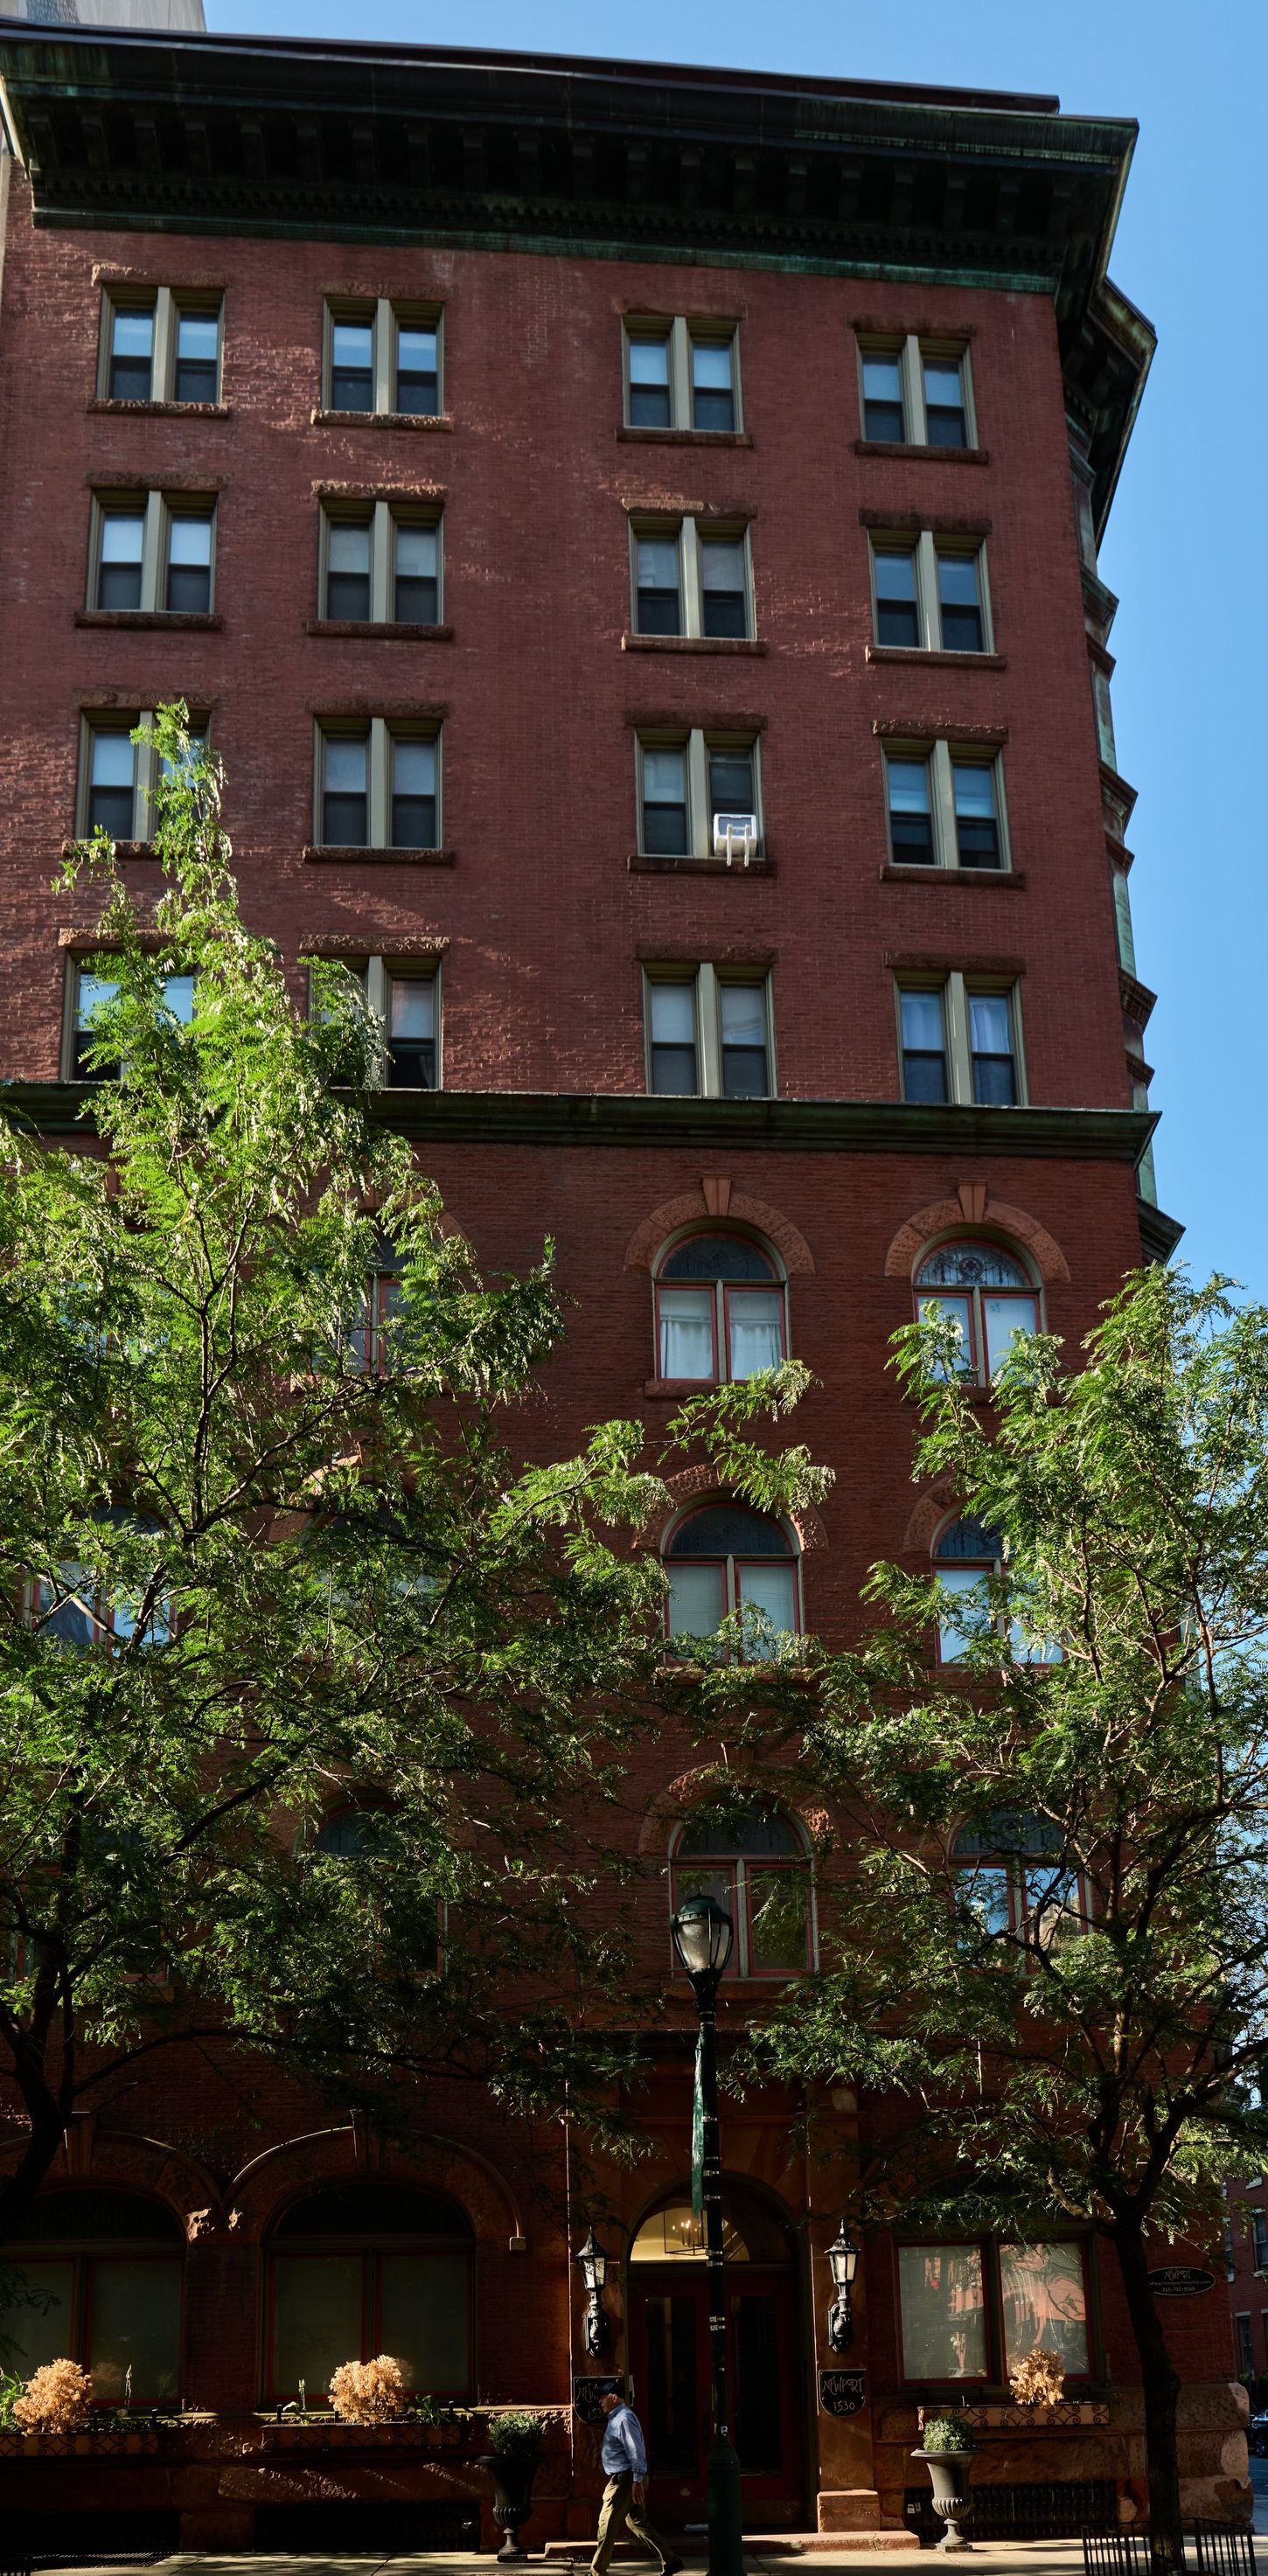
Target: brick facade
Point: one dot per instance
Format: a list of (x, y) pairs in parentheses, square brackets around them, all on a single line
[(544, 925)]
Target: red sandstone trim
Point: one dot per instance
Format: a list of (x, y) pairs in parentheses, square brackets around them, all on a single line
[(936, 661), (975, 1207), (314, 851), (1015, 877), (922, 455), (721, 1202), (692, 644), (395, 631), (685, 437), (381, 420)]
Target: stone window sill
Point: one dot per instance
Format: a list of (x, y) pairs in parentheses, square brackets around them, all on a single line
[(692, 644), (190, 620), (122, 849), (937, 661), (161, 410), (648, 863), (674, 1390), (394, 629), (922, 455), (381, 419), (1015, 877), (355, 853), (685, 437)]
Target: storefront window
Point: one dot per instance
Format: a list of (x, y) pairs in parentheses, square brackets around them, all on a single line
[(101, 2286), (943, 2311), (1044, 2301), (358, 2270)]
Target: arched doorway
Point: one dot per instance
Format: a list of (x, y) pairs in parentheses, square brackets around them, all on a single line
[(669, 2358)]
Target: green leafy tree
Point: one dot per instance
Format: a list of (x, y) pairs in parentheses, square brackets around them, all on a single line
[(272, 1550), (1046, 1946)]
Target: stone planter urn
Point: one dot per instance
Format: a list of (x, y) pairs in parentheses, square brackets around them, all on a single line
[(512, 2473), (949, 2478)]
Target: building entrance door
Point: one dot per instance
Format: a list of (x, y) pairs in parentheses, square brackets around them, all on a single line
[(669, 2360)]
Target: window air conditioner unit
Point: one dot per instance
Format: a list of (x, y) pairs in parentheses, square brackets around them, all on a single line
[(735, 837)]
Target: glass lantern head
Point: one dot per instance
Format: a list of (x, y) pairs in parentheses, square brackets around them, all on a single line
[(843, 2255), (594, 2264), (703, 1936)]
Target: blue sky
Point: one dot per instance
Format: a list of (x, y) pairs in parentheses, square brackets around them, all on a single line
[(1187, 549)]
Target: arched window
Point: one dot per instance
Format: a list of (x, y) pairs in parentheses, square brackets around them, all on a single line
[(364, 2268), (1012, 1878), (76, 1603), (986, 1294), (104, 2270), (369, 1341), (357, 1833), (757, 1869), (751, 2232), (727, 1560), (720, 1309), (965, 1557)]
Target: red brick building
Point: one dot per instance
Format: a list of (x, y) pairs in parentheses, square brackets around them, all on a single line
[(632, 535)]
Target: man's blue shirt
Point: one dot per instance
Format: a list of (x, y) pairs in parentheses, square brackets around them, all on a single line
[(623, 2453)]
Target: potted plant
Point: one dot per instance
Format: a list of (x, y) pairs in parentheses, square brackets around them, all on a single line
[(512, 2460), (948, 2447)]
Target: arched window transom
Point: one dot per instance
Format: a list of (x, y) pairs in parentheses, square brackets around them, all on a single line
[(727, 1561), (757, 1869), (1013, 1879), (965, 1558), (986, 1294), (720, 1309), (360, 2269)]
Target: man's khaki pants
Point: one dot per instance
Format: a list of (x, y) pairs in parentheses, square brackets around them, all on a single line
[(617, 2509)]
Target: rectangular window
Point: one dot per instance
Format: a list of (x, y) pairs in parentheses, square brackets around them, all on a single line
[(916, 394), (924, 1046), (681, 375), (690, 578), (345, 800), (946, 419), (657, 596), (160, 345), (883, 396), (699, 798), (414, 793), (976, 819), (134, 2314), (415, 573), (897, 609), (378, 787), (348, 569), (943, 2304), (417, 367), (411, 1032), (723, 587), (1043, 2296), (1259, 2224), (112, 782), (910, 813), (91, 990), (672, 1049), (383, 357), (930, 595), (131, 345), (189, 547), (197, 376), (710, 1034), (120, 552), (960, 1043), (960, 603), (945, 807), (712, 384), (1245, 2347), (380, 565), (152, 552)]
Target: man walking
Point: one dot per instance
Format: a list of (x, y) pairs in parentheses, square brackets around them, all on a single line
[(625, 2463)]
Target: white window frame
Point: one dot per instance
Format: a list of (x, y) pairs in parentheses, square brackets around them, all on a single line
[(168, 303), (705, 980), (385, 314), (940, 757), (911, 351), (383, 518), (379, 732), (955, 988), (158, 509), (685, 534), (697, 745), (680, 331), (927, 548), (378, 973)]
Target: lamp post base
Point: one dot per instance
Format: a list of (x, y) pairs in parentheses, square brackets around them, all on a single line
[(726, 2536)]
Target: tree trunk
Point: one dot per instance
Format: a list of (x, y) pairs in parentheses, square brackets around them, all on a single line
[(1161, 2385)]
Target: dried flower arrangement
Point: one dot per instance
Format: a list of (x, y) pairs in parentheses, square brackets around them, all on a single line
[(55, 2399), (368, 2392), (1038, 2379)]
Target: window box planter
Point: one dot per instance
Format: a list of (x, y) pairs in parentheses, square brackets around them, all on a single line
[(329, 2434), (86, 2444), (1070, 2415)]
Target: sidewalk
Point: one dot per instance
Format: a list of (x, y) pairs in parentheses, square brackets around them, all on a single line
[(993, 2558)]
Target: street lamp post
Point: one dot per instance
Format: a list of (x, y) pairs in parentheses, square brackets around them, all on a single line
[(703, 1939)]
